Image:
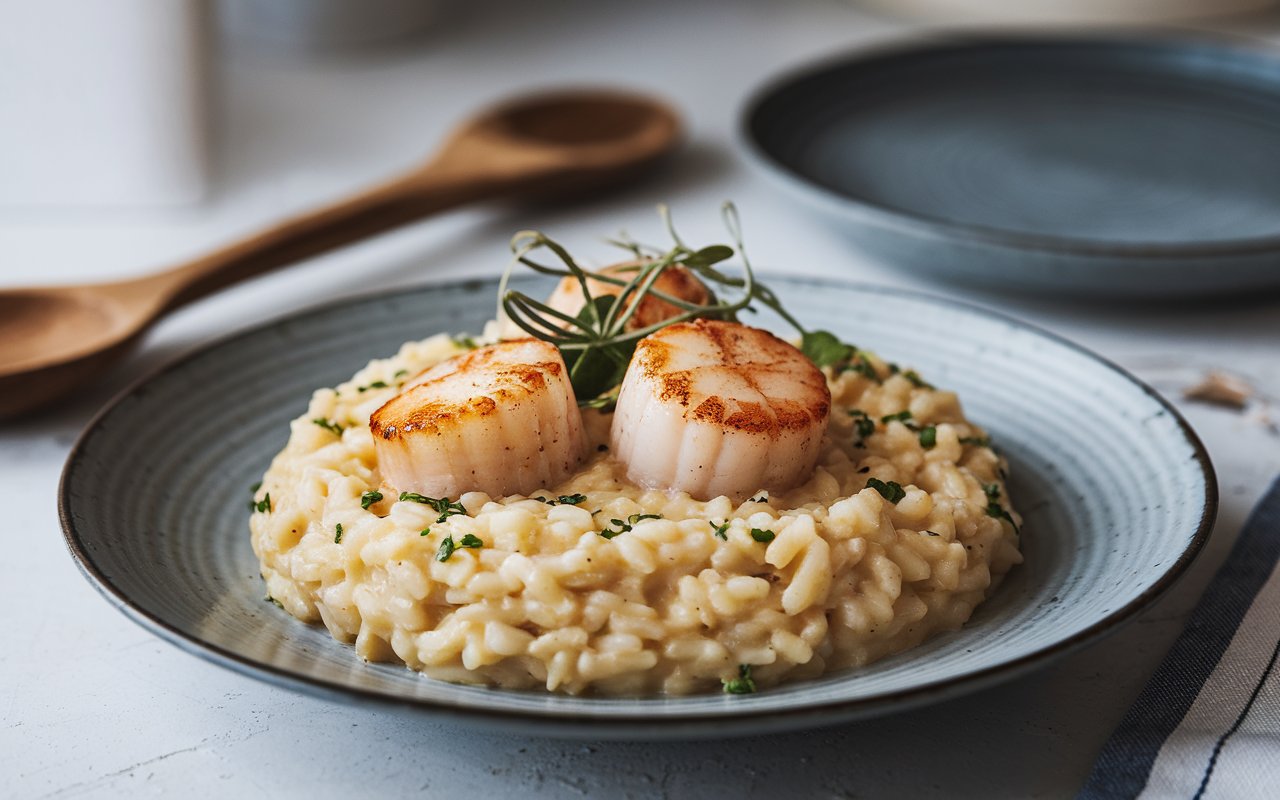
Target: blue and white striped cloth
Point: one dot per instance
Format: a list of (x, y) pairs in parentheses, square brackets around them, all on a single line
[(1208, 724)]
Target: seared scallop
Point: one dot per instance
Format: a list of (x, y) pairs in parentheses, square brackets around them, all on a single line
[(675, 281), (718, 408), (502, 419)]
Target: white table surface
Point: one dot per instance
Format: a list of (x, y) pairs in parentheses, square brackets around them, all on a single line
[(92, 705)]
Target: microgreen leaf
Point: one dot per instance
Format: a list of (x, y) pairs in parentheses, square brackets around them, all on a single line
[(445, 551), (901, 416), (720, 531), (369, 498), (762, 536), (824, 349)]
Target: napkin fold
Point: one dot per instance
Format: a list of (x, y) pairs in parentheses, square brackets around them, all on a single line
[(1208, 724)]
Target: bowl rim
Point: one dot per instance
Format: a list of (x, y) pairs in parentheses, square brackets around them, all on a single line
[(694, 723), (1218, 48)]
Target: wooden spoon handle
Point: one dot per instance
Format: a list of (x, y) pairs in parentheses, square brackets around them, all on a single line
[(370, 212)]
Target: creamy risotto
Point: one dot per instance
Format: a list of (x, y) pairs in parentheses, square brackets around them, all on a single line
[(596, 585)]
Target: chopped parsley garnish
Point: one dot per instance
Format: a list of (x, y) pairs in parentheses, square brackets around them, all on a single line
[(928, 436), (863, 425), (424, 532), (762, 536), (374, 385), (977, 441), (901, 416), (400, 373), (998, 511), (624, 527), (444, 505), (720, 531), (254, 488), (262, 505), (369, 498), (564, 500), (337, 534), (465, 341), (447, 545), (916, 380), (994, 509), (743, 684), (446, 549), (861, 365), (329, 425), (891, 491)]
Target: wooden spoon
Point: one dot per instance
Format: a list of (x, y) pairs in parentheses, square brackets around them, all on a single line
[(53, 339)]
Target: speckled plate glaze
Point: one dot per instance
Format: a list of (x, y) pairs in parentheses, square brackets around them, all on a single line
[(1117, 494), (1110, 166)]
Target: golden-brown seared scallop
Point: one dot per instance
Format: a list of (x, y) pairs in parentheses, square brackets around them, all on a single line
[(501, 419), (718, 408)]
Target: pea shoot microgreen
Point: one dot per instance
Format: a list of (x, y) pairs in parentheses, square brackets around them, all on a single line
[(597, 344)]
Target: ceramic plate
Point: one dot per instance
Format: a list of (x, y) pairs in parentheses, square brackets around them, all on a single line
[(1108, 166), (1116, 491)]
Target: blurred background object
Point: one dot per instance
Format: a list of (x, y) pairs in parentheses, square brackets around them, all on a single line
[(318, 25), (103, 103), (1066, 12)]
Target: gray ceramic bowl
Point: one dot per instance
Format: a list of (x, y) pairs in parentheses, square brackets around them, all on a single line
[(1117, 494), (1101, 166)]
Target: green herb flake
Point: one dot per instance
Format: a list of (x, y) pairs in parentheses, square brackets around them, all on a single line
[(624, 527), (424, 532), (720, 531), (374, 385), (916, 380), (445, 552), (743, 684), (254, 488), (444, 505), (337, 533), (901, 416), (997, 511), (264, 504), (329, 425), (976, 441), (465, 342), (762, 536), (470, 540), (862, 365), (863, 425), (928, 436), (991, 490), (400, 373), (891, 491), (369, 498), (563, 500)]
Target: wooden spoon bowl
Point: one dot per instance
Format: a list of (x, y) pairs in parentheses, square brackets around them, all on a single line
[(555, 145)]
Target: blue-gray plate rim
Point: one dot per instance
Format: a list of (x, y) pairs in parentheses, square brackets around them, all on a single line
[(938, 228)]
